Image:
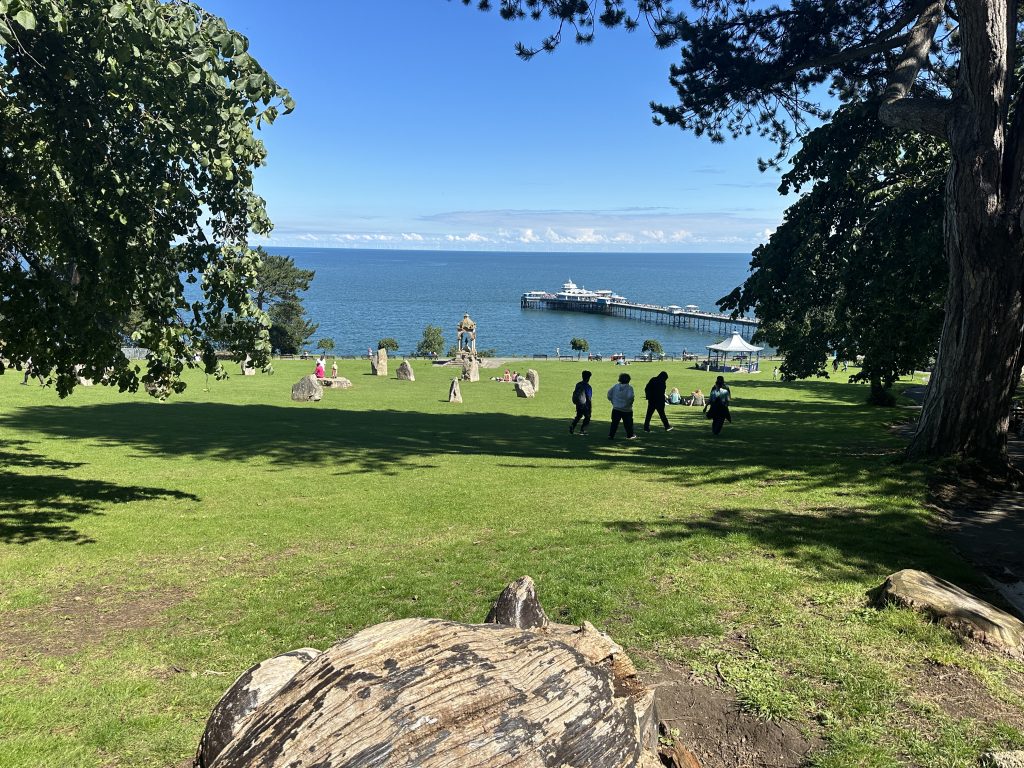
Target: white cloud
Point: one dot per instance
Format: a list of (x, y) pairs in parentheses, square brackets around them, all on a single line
[(622, 229)]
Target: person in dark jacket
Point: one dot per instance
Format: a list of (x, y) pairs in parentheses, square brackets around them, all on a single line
[(582, 398), (655, 393), (717, 408)]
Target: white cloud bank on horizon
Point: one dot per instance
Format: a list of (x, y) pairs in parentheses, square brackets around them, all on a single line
[(639, 229)]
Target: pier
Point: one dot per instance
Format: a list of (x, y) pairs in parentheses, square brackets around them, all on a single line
[(574, 299)]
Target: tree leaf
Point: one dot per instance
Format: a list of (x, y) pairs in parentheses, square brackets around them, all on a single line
[(26, 19)]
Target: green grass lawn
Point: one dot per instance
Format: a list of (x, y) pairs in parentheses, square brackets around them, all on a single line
[(150, 552)]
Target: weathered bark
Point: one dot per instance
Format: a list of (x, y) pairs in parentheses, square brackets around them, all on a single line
[(257, 685), (966, 409), (431, 693)]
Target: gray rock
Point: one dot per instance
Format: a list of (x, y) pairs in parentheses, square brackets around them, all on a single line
[(256, 685), (307, 389), (1013, 759), (518, 606), (962, 612), (534, 378), (405, 372), (471, 369), (379, 363), (524, 389), (248, 369), (339, 382), (454, 393), (82, 381)]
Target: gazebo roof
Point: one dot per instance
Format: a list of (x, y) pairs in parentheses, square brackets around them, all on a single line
[(735, 344)]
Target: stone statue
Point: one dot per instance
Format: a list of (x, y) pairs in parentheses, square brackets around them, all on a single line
[(465, 332)]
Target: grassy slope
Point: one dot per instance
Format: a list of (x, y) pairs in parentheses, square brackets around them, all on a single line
[(229, 525)]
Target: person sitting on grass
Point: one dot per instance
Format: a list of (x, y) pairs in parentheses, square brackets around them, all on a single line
[(674, 398), (696, 398)]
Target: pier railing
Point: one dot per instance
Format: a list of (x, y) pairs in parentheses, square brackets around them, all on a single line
[(648, 313)]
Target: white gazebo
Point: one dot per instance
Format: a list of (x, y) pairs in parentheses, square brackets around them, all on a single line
[(745, 356)]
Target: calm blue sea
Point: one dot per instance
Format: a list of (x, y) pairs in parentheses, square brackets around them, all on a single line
[(360, 296)]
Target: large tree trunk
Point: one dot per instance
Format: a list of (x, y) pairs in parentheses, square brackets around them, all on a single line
[(966, 409)]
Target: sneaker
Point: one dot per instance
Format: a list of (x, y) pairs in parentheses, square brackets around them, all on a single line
[(669, 429), (583, 434), (631, 437)]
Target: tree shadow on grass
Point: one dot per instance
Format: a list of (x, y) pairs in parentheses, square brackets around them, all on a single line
[(839, 545), (35, 507), (15, 453), (806, 444)]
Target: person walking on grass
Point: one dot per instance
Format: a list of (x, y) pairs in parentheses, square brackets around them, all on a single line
[(621, 397), (582, 398), (717, 408), (655, 394)]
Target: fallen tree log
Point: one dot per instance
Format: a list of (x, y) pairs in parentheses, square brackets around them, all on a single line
[(431, 693)]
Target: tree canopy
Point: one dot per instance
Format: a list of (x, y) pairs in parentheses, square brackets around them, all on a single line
[(276, 289), (278, 279), (856, 268), (653, 346), (129, 150), (579, 345), (432, 343), (940, 68)]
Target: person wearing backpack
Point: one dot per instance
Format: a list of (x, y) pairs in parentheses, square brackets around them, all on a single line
[(655, 393), (582, 397)]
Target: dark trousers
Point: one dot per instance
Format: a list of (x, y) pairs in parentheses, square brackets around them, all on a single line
[(718, 418), (626, 417), (582, 412), (655, 408)]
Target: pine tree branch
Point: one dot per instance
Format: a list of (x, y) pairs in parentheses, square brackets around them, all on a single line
[(926, 115)]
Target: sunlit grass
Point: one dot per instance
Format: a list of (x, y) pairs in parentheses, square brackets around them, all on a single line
[(230, 524)]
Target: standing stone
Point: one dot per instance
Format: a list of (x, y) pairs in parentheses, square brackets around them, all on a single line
[(379, 363), (256, 685), (307, 389), (960, 611), (404, 372), (471, 369), (248, 369), (454, 393), (524, 389), (517, 606), (534, 378), (81, 379)]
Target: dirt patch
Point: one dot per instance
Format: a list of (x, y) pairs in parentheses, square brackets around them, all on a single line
[(958, 693), (81, 618), (714, 727), (87, 615)]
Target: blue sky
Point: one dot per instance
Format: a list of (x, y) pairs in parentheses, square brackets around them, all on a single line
[(418, 127)]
